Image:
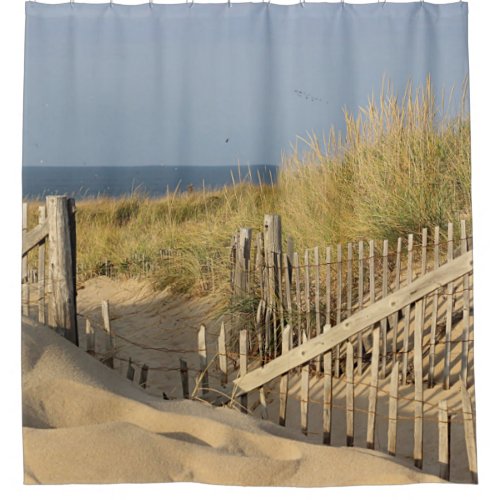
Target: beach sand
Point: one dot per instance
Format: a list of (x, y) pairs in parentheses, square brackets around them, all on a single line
[(85, 423)]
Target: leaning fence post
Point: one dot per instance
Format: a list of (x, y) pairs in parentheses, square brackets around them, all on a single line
[(90, 336), (62, 300), (143, 378), (222, 354), (110, 338), (184, 378), (202, 353)]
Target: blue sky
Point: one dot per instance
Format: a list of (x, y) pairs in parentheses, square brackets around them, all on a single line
[(209, 85)]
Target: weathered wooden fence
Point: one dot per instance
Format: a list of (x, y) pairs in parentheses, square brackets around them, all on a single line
[(55, 240)]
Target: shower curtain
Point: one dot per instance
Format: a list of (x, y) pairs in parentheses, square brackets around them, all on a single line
[(209, 188)]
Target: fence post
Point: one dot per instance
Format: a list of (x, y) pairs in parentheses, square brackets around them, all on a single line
[(284, 378), (407, 312), (418, 442), (90, 336), (435, 304), (41, 270), (143, 378), (272, 249), (449, 314), (243, 366), (349, 394), (242, 262), (202, 353), (130, 370), (184, 378), (24, 270), (222, 354), (465, 307), (470, 440), (110, 339), (393, 410), (62, 300)]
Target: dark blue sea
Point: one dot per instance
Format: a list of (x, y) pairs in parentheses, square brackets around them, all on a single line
[(154, 181)]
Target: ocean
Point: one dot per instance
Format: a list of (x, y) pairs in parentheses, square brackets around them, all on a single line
[(154, 181)]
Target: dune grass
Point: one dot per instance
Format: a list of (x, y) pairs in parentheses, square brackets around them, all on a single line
[(402, 164)]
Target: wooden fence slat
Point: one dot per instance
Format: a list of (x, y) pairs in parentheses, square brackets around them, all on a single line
[(90, 337), (465, 308), (41, 270), (184, 378), (263, 403), (349, 279), (288, 293), (434, 314), (296, 265), (304, 393), (143, 377), (395, 318), (444, 424), (243, 242), (339, 306), (407, 312), (317, 289), (357, 322), (307, 293), (202, 354), (284, 379), (423, 268), (328, 299), (110, 336), (470, 439), (327, 397), (418, 442), (223, 354), (449, 314), (385, 286), (130, 370), (24, 274), (259, 262), (279, 262), (349, 394), (393, 410), (244, 366), (373, 391), (360, 303)]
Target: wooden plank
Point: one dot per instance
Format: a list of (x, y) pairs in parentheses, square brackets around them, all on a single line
[(258, 321), (90, 337), (41, 270), (279, 265), (34, 237), (470, 440), (259, 262), (25, 290), (465, 308), (393, 410), (304, 397), (328, 293), (290, 249), (202, 355), (244, 366), (130, 370), (360, 304), (184, 378), (317, 289), (327, 397), (61, 304), (349, 279), (349, 394), (449, 315), (110, 335), (307, 293), (444, 425), (263, 403), (221, 344), (296, 265), (272, 247), (373, 390), (423, 268), (339, 306), (418, 442), (357, 322), (395, 318), (284, 379), (407, 312), (383, 323), (434, 314), (288, 293), (143, 377), (242, 264)]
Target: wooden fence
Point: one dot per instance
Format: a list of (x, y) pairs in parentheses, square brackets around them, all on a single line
[(55, 240)]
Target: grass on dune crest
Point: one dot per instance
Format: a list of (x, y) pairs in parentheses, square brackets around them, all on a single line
[(401, 165)]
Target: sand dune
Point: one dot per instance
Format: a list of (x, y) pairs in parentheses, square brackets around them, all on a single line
[(84, 423)]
